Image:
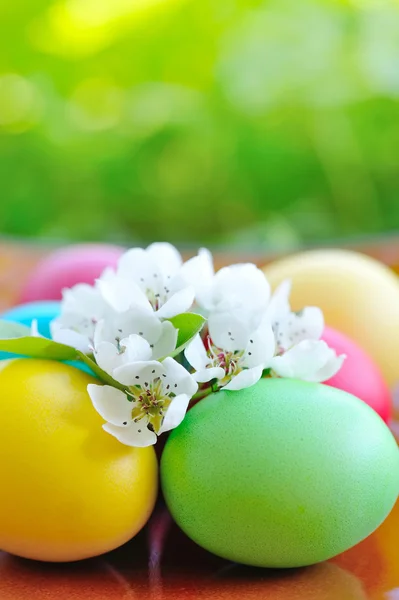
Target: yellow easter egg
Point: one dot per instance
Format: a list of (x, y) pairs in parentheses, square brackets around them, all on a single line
[(358, 295), (68, 489)]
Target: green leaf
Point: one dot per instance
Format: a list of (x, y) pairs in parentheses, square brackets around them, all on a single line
[(10, 329), (101, 374), (188, 325), (16, 338), (38, 347)]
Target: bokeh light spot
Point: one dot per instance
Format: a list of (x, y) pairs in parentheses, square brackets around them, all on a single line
[(84, 27), (96, 104), (94, 13), (19, 103)]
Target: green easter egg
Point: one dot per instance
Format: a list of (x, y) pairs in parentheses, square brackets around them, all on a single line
[(282, 474)]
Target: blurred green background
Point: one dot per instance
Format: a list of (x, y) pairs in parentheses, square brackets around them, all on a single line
[(249, 123)]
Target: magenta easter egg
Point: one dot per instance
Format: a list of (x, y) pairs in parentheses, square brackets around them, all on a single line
[(66, 267), (359, 375)]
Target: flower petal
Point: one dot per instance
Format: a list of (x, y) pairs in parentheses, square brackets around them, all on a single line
[(205, 375), (178, 379), (245, 379), (121, 293), (307, 324), (82, 306), (177, 303), (135, 264), (34, 329), (139, 373), (197, 272), (138, 267), (230, 330), (135, 434), (261, 347), (99, 333), (82, 299), (107, 356), (196, 354), (331, 367), (166, 257), (166, 342), (175, 413), (300, 362), (310, 360), (241, 285), (136, 348), (139, 321), (111, 404), (279, 305), (70, 337)]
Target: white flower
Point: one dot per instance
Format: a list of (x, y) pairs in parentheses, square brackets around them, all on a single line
[(149, 279), (134, 335), (300, 352), (238, 287), (81, 308), (34, 329), (279, 304), (310, 360), (156, 400), (130, 349), (197, 272), (291, 328), (233, 356)]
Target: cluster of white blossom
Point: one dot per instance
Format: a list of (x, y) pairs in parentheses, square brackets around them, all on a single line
[(126, 322)]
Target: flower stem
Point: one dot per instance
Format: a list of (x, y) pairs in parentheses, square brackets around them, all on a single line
[(202, 394)]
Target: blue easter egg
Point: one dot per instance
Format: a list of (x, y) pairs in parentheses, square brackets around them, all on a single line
[(44, 313), (80, 365)]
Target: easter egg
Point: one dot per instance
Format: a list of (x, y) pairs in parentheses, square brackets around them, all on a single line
[(358, 295), (282, 474), (359, 375), (66, 267), (68, 489), (43, 312)]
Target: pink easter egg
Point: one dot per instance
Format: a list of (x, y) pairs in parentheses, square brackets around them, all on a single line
[(66, 267), (359, 375)]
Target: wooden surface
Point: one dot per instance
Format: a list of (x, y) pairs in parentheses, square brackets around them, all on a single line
[(171, 567)]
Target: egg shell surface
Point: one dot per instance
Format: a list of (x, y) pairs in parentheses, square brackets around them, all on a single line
[(282, 474), (44, 313), (69, 490), (66, 267), (359, 296), (359, 375)]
